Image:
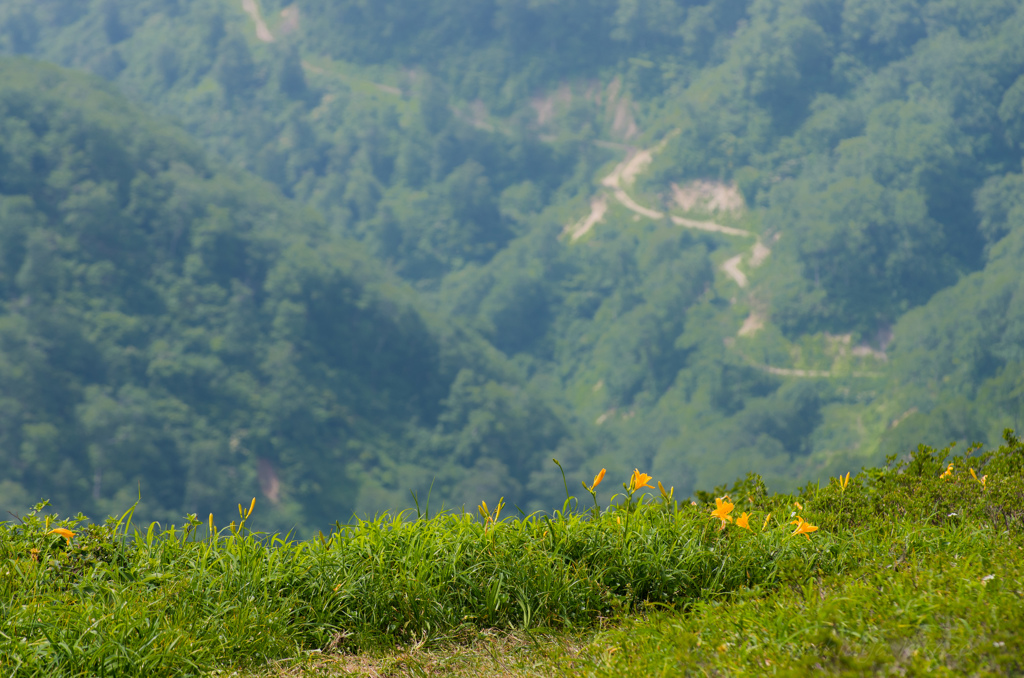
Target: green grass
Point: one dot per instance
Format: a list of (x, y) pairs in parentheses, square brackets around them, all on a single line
[(908, 571), (948, 604)]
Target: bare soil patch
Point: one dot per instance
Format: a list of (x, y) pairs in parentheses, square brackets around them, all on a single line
[(753, 323), (263, 33), (708, 196)]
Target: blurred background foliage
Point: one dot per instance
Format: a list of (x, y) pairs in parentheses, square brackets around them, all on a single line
[(320, 256)]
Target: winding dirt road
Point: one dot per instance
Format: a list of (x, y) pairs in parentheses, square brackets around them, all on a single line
[(598, 208), (731, 267), (715, 228), (624, 175)]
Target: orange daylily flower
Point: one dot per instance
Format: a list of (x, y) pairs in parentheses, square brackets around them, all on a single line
[(798, 505), (597, 479), (803, 527), (744, 521), (485, 512), (639, 480), (242, 514), (67, 534), (949, 471), (723, 507)]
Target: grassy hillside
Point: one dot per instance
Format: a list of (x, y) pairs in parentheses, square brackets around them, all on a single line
[(720, 235), (908, 568)]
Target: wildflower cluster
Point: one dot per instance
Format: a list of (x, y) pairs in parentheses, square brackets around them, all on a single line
[(724, 507)]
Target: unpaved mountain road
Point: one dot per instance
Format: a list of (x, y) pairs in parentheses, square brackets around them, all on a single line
[(731, 267), (625, 174)]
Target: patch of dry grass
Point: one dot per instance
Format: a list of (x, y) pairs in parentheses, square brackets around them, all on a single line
[(491, 653)]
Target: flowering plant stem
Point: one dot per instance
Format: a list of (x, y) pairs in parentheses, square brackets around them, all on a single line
[(568, 498)]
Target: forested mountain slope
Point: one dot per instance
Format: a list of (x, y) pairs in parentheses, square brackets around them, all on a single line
[(777, 234), (177, 329)]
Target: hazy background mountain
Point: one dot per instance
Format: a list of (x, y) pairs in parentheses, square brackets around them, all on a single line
[(334, 251)]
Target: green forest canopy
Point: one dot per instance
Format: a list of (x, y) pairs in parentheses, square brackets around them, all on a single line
[(354, 280)]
